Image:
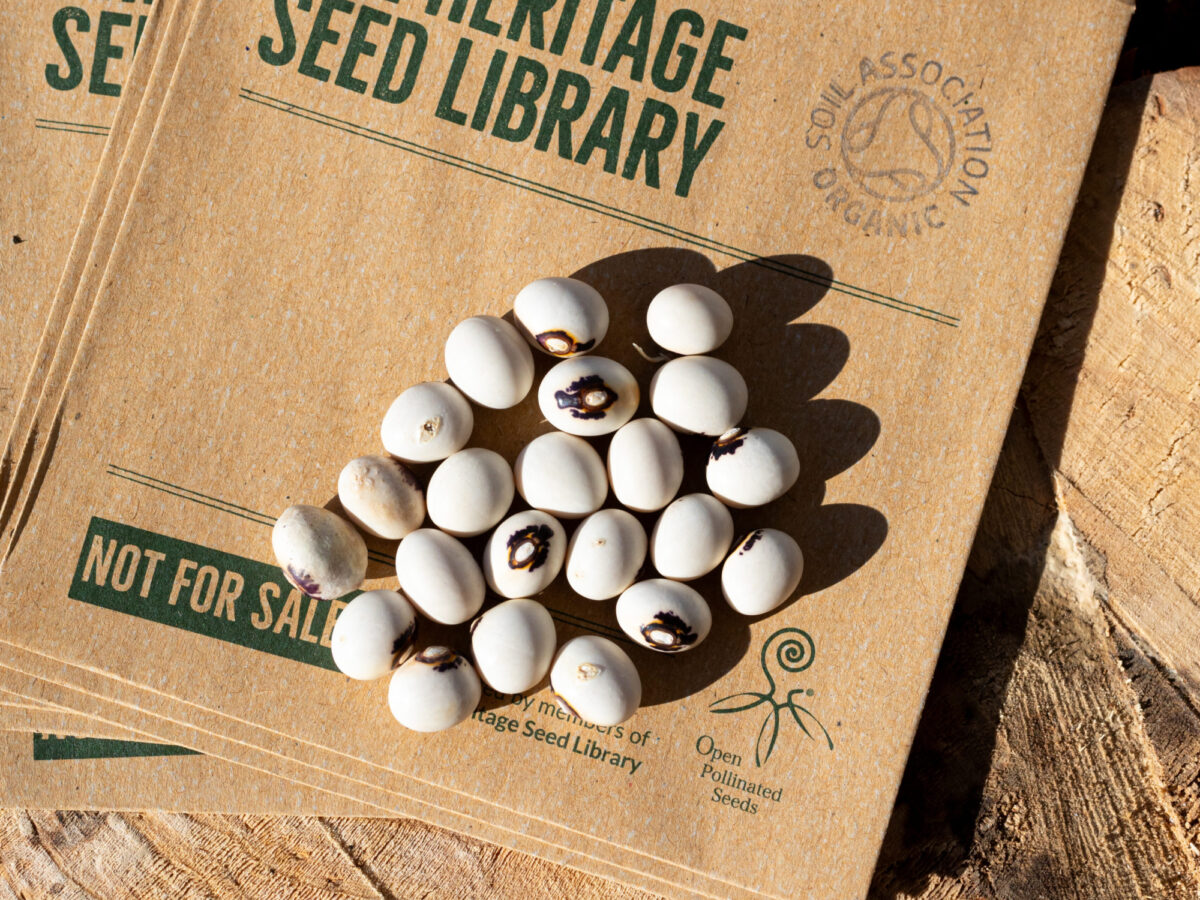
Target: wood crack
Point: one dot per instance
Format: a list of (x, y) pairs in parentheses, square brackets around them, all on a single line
[(359, 865)]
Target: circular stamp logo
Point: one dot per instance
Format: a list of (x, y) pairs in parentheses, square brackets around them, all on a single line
[(900, 146)]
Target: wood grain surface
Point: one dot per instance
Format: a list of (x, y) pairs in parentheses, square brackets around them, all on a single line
[(1059, 751)]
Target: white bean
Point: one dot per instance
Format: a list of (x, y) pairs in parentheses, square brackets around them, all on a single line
[(470, 492), (513, 645), (434, 690), (489, 361), (762, 572), (664, 615), (588, 396), (699, 395), (691, 537), (319, 551), (596, 681), (427, 422), (561, 316), (562, 475), (751, 466), (689, 319), (645, 465), (439, 575), (605, 554), (524, 554), (381, 496), (372, 634)]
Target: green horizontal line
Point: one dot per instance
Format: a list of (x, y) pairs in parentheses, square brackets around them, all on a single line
[(581, 203), (72, 130), (597, 207), (186, 497), (594, 206), (845, 287), (554, 194), (76, 124), (175, 490), (580, 622), (270, 519), (220, 505), (224, 506)]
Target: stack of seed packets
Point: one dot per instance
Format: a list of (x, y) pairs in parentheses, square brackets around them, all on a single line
[(56, 117), (304, 201), (60, 142), (73, 118)]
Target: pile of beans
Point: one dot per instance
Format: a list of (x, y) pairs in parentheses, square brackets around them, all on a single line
[(560, 476)]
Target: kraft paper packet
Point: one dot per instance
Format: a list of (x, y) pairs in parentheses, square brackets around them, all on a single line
[(125, 147), (65, 65), (102, 767), (94, 270), (176, 723), (182, 734), (974, 359)]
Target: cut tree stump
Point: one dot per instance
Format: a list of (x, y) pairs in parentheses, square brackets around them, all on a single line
[(1059, 752)]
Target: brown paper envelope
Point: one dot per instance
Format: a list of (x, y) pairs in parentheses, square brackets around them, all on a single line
[(128, 137), (166, 731), (67, 68), (103, 767), (93, 269), (110, 231), (111, 201), (924, 473)]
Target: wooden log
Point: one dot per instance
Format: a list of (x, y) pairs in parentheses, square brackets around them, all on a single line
[(112, 855), (1059, 753), (1068, 768), (1128, 463)]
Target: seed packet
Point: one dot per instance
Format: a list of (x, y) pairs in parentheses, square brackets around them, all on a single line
[(79, 764), (330, 189), (67, 70)]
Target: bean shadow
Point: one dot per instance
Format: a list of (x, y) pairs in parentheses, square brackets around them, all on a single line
[(932, 831), (381, 553), (786, 364)]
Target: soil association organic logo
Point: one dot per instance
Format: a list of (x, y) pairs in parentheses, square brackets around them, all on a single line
[(785, 653), (900, 146)]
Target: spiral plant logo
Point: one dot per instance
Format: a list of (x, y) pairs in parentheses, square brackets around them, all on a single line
[(784, 654), (900, 146)]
